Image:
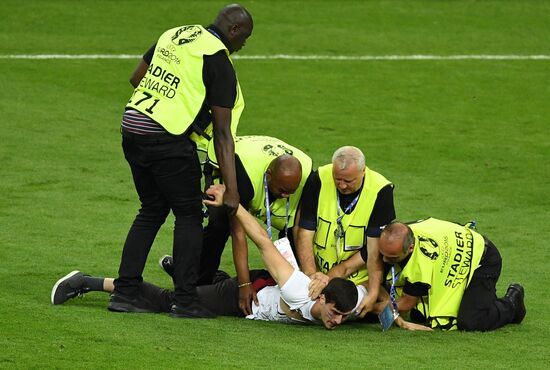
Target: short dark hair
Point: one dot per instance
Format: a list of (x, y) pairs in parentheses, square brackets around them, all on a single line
[(341, 292)]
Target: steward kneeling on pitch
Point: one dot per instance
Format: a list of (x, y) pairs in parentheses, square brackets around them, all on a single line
[(448, 276)]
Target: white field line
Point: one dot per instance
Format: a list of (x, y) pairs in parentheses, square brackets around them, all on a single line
[(292, 57)]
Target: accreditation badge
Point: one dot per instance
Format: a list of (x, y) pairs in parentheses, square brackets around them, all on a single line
[(387, 317)]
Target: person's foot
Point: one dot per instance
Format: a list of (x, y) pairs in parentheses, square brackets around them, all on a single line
[(516, 295), (69, 286), (191, 311), (166, 263), (123, 303)]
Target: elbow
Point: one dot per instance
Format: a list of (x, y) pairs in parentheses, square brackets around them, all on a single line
[(348, 272), (223, 137), (405, 305)]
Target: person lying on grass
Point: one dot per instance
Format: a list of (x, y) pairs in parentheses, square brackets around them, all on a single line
[(288, 301)]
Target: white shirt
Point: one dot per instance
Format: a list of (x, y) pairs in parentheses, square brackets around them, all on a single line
[(295, 294)]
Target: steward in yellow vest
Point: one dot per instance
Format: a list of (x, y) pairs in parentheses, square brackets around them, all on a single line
[(343, 207), (172, 92), (184, 84), (260, 161), (257, 154), (339, 235), (451, 271)]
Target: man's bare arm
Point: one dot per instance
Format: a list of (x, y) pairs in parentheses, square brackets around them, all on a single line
[(344, 269), (410, 325), (276, 264), (304, 249), (139, 72), (406, 302), (240, 259), (224, 147), (375, 268), (347, 267)]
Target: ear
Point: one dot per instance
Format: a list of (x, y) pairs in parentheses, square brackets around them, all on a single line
[(269, 174), (234, 28), (322, 298)]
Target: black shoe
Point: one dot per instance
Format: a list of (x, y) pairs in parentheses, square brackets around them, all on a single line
[(516, 295), (167, 264), (191, 311), (69, 286), (123, 303)]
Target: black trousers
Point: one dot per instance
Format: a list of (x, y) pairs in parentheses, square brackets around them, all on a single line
[(215, 236), (221, 298), (480, 309), (166, 173)]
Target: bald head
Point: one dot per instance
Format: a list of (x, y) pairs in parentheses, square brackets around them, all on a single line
[(284, 175), (396, 242), (235, 22)]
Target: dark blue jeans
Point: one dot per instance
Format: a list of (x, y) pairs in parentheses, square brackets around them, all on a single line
[(166, 173)]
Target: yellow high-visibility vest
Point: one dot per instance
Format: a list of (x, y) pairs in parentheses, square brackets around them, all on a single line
[(172, 91), (256, 153), (445, 256), (327, 248)]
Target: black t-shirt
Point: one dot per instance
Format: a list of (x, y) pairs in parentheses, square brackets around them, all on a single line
[(383, 211), (219, 80), (416, 289), (244, 185)]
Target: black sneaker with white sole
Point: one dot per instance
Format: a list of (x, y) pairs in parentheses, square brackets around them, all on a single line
[(69, 286)]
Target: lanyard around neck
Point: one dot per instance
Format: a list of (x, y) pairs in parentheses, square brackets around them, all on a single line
[(392, 289), (268, 210), (340, 232), (348, 208)]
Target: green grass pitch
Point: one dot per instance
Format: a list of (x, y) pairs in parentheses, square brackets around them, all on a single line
[(461, 139)]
